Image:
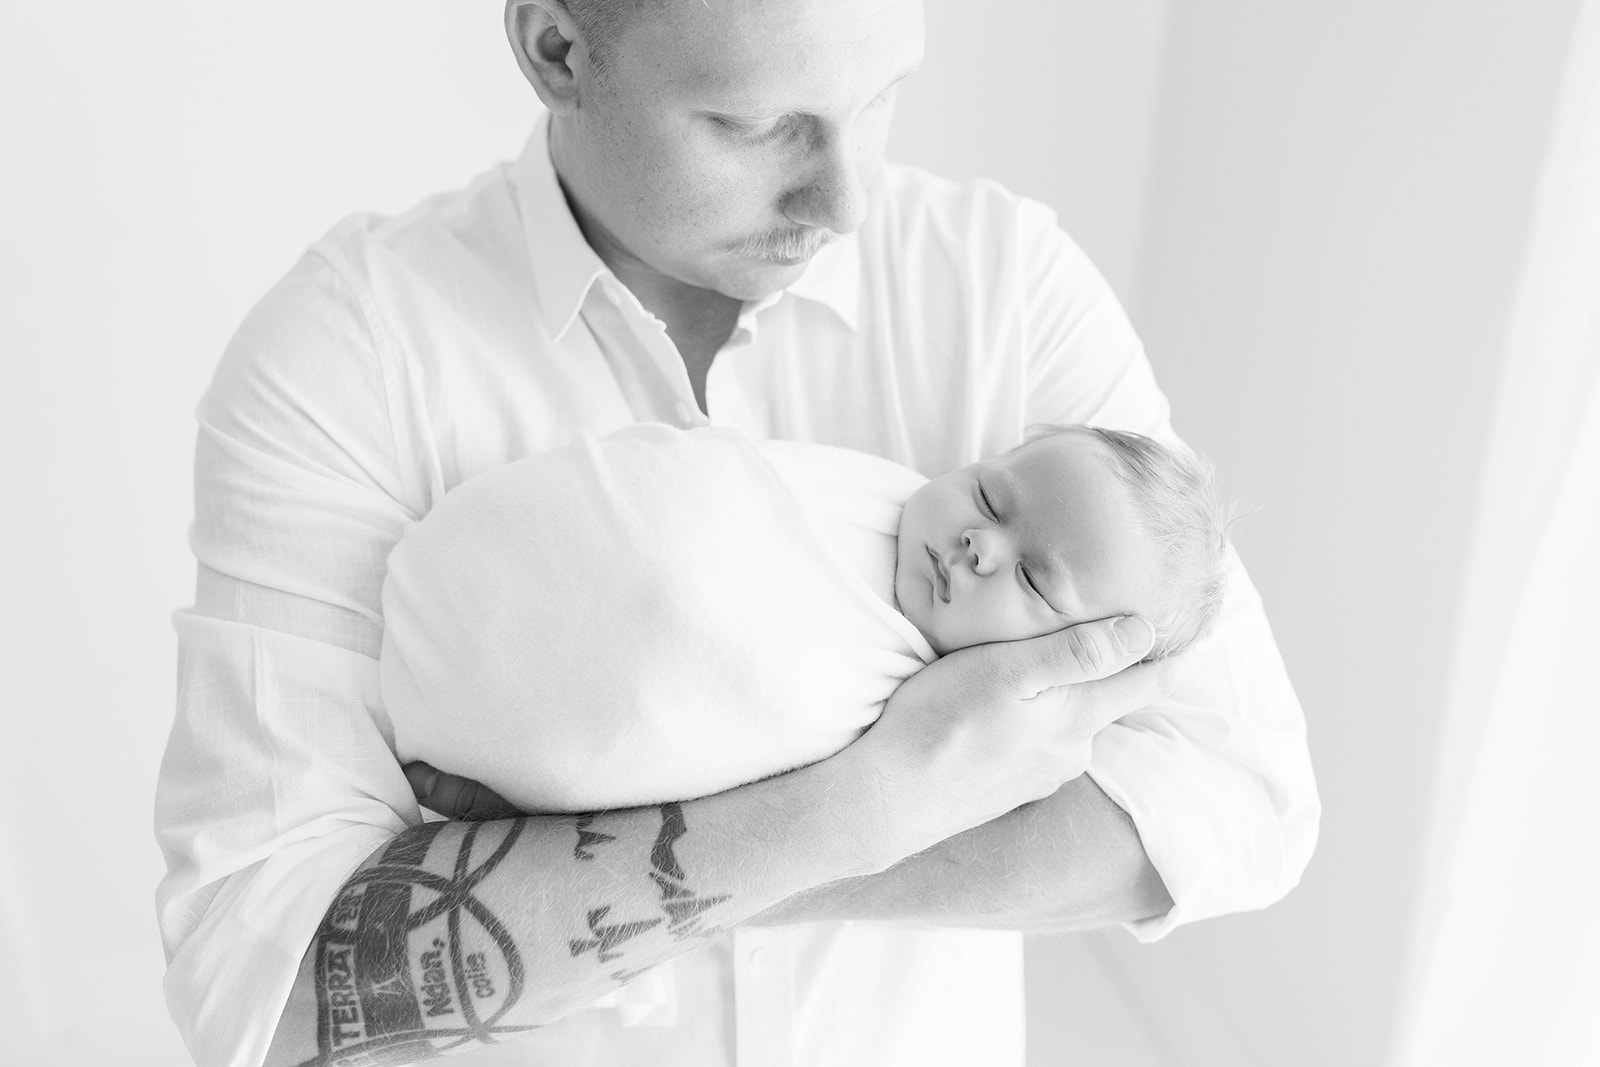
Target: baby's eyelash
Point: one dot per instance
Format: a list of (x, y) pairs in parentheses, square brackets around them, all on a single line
[(1029, 579), (987, 506)]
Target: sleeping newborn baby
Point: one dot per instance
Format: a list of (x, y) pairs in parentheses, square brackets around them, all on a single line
[(663, 614)]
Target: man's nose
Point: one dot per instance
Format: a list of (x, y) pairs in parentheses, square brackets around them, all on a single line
[(835, 196)]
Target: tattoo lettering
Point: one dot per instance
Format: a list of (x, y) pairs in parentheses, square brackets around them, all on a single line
[(606, 937), (410, 964), (435, 986), (478, 976), (394, 982), (588, 838), (681, 903)]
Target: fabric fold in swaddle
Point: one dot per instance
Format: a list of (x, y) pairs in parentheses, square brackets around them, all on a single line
[(655, 615)]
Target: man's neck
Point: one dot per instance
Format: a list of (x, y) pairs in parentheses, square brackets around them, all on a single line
[(699, 321)]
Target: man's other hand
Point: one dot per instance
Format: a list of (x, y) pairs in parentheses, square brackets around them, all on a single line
[(455, 797)]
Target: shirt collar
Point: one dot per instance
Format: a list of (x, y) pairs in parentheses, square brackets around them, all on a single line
[(565, 267)]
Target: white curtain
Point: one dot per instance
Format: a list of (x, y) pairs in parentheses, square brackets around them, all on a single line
[(1505, 961)]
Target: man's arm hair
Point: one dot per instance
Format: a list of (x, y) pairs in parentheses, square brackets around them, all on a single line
[(1072, 861), (556, 911), (457, 934), (460, 934)]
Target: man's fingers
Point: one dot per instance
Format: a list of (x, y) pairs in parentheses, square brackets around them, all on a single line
[(1081, 653), (422, 778), (455, 797), (1127, 691)]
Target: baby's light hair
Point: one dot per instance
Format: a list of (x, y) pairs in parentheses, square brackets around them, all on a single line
[(1175, 494)]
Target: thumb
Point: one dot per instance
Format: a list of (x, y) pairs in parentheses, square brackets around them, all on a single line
[(1086, 652)]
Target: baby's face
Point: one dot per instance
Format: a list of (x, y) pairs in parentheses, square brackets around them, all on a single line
[(1022, 545)]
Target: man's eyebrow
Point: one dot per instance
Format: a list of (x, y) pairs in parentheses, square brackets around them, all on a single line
[(910, 69), (905, 72), (779, 111)]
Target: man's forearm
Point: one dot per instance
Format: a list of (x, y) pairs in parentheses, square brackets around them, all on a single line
[(457, 933), (1072, 861)]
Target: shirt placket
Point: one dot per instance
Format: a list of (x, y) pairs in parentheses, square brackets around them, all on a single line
[(763, 994), (646, 364), (730, 404)]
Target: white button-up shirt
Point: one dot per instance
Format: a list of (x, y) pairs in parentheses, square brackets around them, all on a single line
[(402, 356)]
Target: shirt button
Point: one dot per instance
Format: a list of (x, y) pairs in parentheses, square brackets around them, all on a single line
[(759, 957)]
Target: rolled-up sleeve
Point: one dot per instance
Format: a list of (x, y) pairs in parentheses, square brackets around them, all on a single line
[(1217, 777), (278, 779)]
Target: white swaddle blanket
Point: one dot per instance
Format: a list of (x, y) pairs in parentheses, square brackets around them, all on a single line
[(655, 615)]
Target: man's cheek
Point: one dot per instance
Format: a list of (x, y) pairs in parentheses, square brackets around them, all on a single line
[(698, 216)]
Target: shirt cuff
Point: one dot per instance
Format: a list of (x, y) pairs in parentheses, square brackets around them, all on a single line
[(1207, 824), (228, 982)]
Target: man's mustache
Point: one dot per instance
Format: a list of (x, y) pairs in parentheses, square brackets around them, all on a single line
[(785, 244)]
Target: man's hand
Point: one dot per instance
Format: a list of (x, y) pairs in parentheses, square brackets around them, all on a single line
[(989, 728), (456, 797)]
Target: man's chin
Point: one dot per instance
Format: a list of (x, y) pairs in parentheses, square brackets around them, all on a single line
[(756, 279)]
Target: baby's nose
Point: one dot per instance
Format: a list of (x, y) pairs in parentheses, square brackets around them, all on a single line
[(983, 550)]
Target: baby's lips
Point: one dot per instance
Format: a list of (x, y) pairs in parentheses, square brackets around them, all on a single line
[(941, 578)]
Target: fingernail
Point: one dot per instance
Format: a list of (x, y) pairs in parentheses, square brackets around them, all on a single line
[(1134, 634), (428, 782)]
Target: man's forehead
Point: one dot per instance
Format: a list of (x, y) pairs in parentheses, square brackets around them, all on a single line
[(763, 48), (705, 15)]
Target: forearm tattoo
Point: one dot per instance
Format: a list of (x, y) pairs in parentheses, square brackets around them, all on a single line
[(393, 982), (681, 903), (588, 839), (410, 964)]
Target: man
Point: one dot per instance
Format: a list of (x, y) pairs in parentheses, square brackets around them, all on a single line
[(701, 231)]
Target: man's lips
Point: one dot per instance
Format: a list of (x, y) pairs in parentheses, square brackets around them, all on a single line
[(941, 584)]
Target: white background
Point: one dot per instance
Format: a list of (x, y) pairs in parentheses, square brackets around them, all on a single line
[(1315, 212)]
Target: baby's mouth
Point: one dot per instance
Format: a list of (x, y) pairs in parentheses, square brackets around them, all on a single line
[(941, 576)]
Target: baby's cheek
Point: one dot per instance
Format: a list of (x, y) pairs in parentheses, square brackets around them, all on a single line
[(1022, 622)]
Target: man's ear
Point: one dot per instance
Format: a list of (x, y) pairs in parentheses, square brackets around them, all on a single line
[(542, 35)]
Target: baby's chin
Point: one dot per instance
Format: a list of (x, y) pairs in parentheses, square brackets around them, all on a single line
[(905, 592)]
